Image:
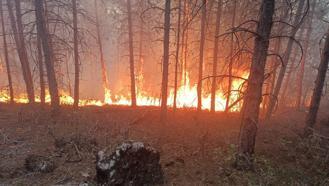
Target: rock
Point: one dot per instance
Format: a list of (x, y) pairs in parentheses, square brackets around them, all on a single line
[(132, 163), (36, 163)]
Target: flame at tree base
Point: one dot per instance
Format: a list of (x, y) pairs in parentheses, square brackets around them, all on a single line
[(186, 98)]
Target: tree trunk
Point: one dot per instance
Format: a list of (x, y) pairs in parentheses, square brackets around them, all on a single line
[(165, 64), (201, 54), (17, 28), (287, 81), (317, 92), (5, 51), (131, 56), (253, 96), (48, 53), (102, 60), (76, 55), (297, 24), (177, 53), (230, 65), (300, 76), (41, 72), (214, 67)]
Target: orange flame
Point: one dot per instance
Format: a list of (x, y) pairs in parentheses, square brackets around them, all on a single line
[(186, 97)]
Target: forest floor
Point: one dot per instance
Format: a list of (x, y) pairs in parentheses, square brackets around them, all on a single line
[(194, 150)]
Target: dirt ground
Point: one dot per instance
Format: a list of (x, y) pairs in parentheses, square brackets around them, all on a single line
[(194, 150)]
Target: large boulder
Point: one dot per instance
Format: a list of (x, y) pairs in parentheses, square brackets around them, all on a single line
[(132, 163)]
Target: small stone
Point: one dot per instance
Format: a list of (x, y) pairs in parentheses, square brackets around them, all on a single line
[(36, 163)]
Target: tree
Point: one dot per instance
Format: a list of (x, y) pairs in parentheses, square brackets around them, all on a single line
[(48, 52), (102, 60), (296, 25), (165, 64), (214, 67), (230, 65), (5, 51), (201, 54), (253, 95), (131, 56), (317, 92), (41, 71), (177, 52), (17, 27), (300, 76), (76, 54)]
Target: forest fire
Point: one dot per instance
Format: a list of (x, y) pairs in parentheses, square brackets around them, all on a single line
[(186, 97)]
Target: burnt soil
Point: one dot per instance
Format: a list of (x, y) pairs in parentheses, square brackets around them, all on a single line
[(194, 150)]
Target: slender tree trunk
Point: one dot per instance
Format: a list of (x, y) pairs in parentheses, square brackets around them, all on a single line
[(300, 76), (131, 56), (214, 67), (165, 64), (253, 96), (201, 54), (297, 24), (76, 55), (41, 72), (287, 81), (5, 51), (317, 92), (177, 53), (230, 65), (102, 60), (17, 28), (48, 53)]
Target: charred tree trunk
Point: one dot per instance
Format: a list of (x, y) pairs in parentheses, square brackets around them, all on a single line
[(5, 51), (214, 67), (230, 65), (165, 64), (201, 54), (102, 60), (76, 55), (297, 24), (177, 53), (48, 53), (317, 92), (300, 76), (287, 81), (131, 56), (253, 96), (17, 28), (41, 72)]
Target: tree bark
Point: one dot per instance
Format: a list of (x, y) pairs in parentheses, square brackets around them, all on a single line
[(253, 96), (201, 54), (297, 24), (131, 56), (41, 72), (5, 51), (230, 65), (48, 53), (287, 79), (215, 63), (165, 64), (300, 76), (177, 53), (100, 45), (17, 28), (317, 92), (76, 55)]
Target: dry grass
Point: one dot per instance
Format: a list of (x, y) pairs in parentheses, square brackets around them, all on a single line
[(194, 150)]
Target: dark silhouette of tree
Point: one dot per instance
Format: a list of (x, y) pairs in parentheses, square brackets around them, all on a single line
[(253, 95)]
